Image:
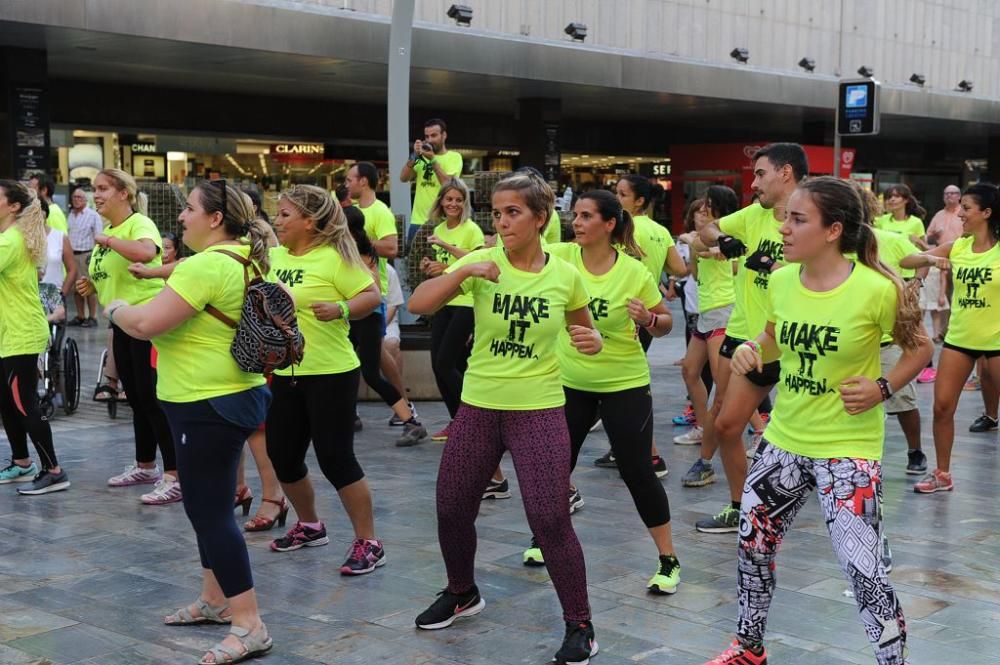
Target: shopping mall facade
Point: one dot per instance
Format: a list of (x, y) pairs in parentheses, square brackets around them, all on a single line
[(271, 92)]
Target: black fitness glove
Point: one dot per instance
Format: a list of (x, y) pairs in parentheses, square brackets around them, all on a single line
[(760, 262), (731, 247)]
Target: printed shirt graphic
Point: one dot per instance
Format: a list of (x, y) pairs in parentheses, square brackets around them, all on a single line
[(757, 228), (467, 236), (514, 366), (428, 184), (193, 360), (621, 364), (655, 241), (974, 323), (715, 283), (109, 269), (380, 223), (824, 338), (23, 329), (320, 275), (911, 226)]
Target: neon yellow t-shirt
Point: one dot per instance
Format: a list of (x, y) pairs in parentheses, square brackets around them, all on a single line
[(193, 360), (320, 275), (514, 364), (824, 338), (23, 329), (57, 219), (974, 323), (380, 223), (911, 226), (715, 283), (552, 233), (621, 364), (655, 241), (757, 228), (428, 184), (109, 269), (467, 236), (893, 248)]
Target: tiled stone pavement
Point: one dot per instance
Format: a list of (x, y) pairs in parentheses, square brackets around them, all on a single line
[(88, 573)]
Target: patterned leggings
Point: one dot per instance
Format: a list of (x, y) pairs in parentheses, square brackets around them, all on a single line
[(538, 442), (850, 493)]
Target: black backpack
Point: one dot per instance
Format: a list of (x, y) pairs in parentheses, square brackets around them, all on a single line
[(267, 335)]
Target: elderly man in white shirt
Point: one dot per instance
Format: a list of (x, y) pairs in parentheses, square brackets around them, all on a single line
[(84, 223)]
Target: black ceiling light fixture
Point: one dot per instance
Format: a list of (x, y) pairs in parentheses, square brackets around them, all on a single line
[(965, 85), (461, 14), (740, 55), (578, 31), (866, 71), (918, 79), (808, 64)]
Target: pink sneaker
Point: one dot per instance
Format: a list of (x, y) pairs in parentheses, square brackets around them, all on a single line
[(935, 481), (135, 475), (927, 375), (166, 491)]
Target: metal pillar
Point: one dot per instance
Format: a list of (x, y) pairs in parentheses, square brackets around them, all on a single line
[(398, 100)]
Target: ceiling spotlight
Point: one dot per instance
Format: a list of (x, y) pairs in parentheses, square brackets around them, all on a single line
[(965, 85), (740, 54), (807, 64), (866, 71), (578, 31), (918, 79), (462, 14)]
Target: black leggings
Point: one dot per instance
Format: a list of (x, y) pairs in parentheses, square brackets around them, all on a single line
[(450, 331), (628, 421), (135, 371), (366, 336), (19, 410), (208, 453), (318, 408)]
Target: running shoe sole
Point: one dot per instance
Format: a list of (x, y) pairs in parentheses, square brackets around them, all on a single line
[(576, 505), (150, 481), (664, 591), (496, 495), (701, 482), (949, 488), (325, 540), (662, 474), (26, 478), (717, 529), (467, 612), (593, 652), (534, 563), (56, 487), (917, 472), (344, 570)]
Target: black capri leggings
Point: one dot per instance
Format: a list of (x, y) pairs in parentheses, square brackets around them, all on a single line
[(366, 336), (450, 331), (628, 421), (318, 408), (135, 370), (19, 410)]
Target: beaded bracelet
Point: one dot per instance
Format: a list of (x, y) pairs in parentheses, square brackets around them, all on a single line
[(883, 385), (755, 345)]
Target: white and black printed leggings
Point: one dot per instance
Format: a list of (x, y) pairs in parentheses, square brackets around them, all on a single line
[(850, 495)]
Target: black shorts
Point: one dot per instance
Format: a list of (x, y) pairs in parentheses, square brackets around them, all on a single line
[(975, 354), (765, 379)]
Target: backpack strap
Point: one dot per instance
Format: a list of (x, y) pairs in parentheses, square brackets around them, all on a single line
[(247, 266), (214, 311)]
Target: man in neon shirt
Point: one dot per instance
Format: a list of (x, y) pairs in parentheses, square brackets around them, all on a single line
[(45, 187), (430, 164)]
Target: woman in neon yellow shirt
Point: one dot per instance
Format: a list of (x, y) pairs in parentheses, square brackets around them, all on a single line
[(454, 236), (212, 404), (24, 334), (614, 384), (974, 330), (512, 399), (825, 319), (132, 238), (905, 215)]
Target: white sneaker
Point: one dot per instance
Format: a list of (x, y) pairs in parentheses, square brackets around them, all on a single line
[(596, 426), (166, 491), (135, 475), (754, 443), (690, 438)]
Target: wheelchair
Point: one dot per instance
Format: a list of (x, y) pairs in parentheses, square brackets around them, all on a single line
[(60, 373)]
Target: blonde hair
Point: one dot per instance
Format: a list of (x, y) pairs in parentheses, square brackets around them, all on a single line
[(536, 193), (239, 219), (30, 219), (124, 182), (437, 214), (329, 219)]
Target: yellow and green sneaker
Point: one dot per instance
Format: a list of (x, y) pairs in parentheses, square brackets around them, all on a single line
[(533, 555), (667, 576)]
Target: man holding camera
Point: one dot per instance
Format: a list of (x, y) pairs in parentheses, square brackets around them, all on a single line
[(430, 164)]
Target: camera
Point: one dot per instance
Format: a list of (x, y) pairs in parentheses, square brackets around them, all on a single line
[(426, 147)]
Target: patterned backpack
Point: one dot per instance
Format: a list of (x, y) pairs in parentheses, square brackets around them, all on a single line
[(267, 335)]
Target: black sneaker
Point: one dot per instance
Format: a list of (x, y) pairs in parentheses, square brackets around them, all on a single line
[(579, 645), (984, 424), (497, 490), (46, 482), (607, 461), (300, 536), (575, 500), (450, 606), (659, 467), (916, 462), (413, 433), (727, 521)]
